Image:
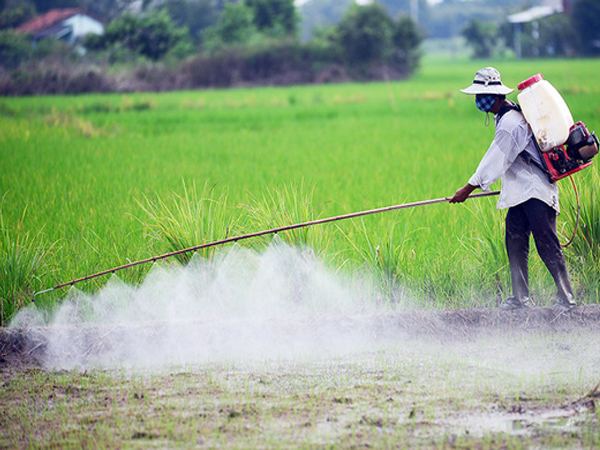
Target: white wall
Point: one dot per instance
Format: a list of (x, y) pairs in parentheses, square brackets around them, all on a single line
[(82, 25)]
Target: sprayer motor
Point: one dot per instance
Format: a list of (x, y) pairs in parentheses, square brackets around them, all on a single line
[(573, 156)]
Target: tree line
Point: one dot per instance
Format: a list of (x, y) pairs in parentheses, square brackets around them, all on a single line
[(179, 44)]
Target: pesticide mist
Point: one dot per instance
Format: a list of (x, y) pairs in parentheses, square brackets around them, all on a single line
[(281, 305)]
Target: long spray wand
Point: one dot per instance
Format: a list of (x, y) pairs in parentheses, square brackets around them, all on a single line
[(259, 233)]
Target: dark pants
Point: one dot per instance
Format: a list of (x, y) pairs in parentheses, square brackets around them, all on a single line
[(537, 218)]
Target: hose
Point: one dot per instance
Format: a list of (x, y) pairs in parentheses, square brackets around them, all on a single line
[(578, 215)]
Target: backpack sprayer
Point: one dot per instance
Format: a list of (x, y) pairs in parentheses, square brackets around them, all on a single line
[(565, 147)]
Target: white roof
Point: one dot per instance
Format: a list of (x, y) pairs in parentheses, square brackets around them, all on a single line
[(537, 12)]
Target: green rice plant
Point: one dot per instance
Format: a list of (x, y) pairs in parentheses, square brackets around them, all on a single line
[(583, 253), (191, 219), (24, 260), (486, 245), (288, 205), (386, 252), (79, 162)]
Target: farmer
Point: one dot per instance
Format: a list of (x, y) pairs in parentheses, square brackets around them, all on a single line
[(531, 199)]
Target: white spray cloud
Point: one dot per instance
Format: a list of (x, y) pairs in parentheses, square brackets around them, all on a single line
[(281, 303)]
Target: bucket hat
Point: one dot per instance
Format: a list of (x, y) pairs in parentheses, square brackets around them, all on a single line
[(487, 81)]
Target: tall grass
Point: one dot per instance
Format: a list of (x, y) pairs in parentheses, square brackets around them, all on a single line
[(194, 218), (583, 253), (487, 248), (81, 162), (285, 205), (385, 252), (24, 262)]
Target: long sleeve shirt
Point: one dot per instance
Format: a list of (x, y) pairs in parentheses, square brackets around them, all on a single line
[(521, 180)]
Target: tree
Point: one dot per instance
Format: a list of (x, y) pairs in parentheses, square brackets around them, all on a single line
[(14, 48), (275, 17), (481, 37), (151, 35), (196, 15), (233, 27), (407, 39), (366, 34), (158, 35), (585, 17), (15, 12)]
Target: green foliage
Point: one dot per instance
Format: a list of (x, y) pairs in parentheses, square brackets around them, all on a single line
[(407, 39), (584, 252), (24, 261), (487, 248), (80, 162), (574, 32), (275, 18), (252, 22), (15, 12), (585, 17), (195, 15), (386, 252), (367, 34), (194, 218), (14, 48), (235, 26), (288, 205), (152, 35), (482, 37), (321, 15), (552, 36), (556, 36)]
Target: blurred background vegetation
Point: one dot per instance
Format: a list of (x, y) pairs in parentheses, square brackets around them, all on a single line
[(158, 45)]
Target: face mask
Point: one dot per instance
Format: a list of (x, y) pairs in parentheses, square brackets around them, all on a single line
[(485, 102)]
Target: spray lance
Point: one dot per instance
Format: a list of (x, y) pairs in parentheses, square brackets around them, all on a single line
[(257, 234)]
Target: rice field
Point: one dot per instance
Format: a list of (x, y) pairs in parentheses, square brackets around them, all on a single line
[(283, 351), (79, 172)]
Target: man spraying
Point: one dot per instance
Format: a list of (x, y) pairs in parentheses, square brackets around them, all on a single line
[(527, 193)]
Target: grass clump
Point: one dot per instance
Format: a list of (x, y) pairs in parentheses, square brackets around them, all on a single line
[(191, 219), (24, 262), (288, 205), (386, 252)]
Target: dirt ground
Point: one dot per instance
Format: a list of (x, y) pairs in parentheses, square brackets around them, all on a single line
[(24, 349), (459, 394)]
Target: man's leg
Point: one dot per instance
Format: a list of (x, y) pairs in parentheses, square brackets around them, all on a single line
[(517, 248), (543, 227)]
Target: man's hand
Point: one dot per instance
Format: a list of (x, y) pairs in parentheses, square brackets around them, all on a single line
[(462, 194)]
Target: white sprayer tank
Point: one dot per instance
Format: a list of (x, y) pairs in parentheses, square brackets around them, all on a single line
[(545, 111)]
